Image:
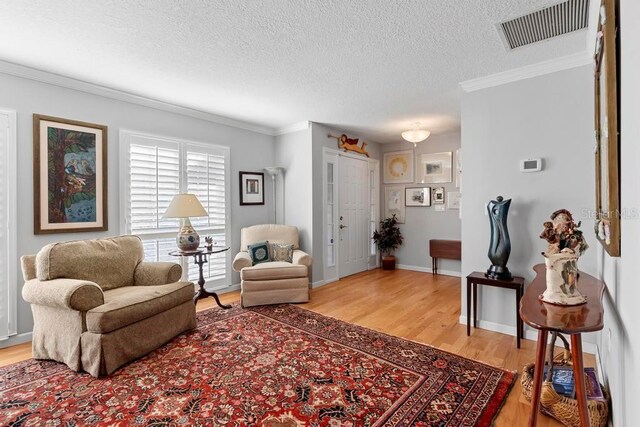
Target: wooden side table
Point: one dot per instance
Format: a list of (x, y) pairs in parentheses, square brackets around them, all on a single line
[(478, 278), (448, 249), (572, 320), (201, 257)]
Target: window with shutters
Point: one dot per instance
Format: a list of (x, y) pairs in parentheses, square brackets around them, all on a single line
[(8, 213), (160, 168)]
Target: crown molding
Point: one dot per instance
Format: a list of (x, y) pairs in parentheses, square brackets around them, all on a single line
[(95, 89), (292, 128), (533, 70)]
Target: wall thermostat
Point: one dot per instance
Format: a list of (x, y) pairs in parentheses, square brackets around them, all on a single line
[(531, 165)]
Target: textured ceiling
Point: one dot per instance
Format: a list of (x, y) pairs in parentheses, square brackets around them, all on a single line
[(371, 66)]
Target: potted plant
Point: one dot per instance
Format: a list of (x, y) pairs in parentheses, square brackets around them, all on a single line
[(387, 239)]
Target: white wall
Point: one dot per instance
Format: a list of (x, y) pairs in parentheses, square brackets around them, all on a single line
[(619, 344), (425, 223), (551, 117), (249, 151), (293, 152)]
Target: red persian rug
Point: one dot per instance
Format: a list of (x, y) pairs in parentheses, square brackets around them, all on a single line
[(264, 366)]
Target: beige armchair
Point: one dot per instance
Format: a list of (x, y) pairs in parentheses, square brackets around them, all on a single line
[(97, 305), (272, 282)]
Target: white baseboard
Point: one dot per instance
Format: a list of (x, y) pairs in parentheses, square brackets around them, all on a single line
[(529, 334), (321, 283), (428, 270), (16, 339)]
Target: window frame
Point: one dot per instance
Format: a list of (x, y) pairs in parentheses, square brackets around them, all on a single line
[(11, 188), (183, 145)]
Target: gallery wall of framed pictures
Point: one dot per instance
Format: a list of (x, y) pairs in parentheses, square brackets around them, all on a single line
[(404, 167)]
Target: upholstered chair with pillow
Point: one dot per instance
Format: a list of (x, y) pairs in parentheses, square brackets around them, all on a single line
[(97, 305), (272, 267)]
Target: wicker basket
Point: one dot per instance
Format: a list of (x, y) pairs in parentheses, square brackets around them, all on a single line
[(559, 407)]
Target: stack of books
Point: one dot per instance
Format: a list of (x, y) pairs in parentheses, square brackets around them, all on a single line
[(564, 383)]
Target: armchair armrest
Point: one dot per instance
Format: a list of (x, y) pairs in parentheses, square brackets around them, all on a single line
[(302, 258), (156, 273), (72, 294), (241, 261)]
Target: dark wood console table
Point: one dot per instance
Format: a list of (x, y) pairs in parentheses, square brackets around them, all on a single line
[(572, 320), (448, 249), (478, 278)]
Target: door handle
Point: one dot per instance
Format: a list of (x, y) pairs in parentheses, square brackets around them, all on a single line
[(343, 226)]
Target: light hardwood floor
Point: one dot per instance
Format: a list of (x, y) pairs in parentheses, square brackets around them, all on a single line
[(416, 306)]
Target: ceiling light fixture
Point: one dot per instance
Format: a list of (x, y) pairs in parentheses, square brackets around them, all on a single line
[(416, 134)]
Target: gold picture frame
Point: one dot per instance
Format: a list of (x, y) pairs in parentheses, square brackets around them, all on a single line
[(69, 176), (607, 101)]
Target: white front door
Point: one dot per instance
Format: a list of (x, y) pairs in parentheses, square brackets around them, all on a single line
[(353, 216)]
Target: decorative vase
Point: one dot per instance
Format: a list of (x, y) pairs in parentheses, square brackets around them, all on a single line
[(388, 262), (562, 280), (500, 246), (187, 239)]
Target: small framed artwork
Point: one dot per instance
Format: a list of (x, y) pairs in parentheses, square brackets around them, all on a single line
[(419, 196), (453, 200), (398, 167), (434, 168), (69, 176), (438, 196), (251, 188), (394, 202)]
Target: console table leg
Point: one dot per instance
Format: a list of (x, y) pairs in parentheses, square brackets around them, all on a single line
[(475, 304), (468, 307), (538, 374), (578, 375)]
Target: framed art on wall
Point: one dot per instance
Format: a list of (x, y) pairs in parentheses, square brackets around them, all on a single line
[(69, 175), (438, 196), (434, 168), (606, 130), (418, 196), (394, 202), (453, 200), (398, 167), (251, 188)]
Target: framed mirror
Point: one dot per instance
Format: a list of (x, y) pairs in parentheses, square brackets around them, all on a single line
[(606, 130)]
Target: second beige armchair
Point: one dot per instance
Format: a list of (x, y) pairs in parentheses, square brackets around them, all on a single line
[(277, 281)]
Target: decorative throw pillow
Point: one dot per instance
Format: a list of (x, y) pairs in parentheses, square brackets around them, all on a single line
[(282, 252), (259, 252)]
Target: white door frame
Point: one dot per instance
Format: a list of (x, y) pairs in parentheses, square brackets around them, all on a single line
[(329, 155)]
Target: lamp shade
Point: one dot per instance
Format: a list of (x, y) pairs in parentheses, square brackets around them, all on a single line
[(184, 206)]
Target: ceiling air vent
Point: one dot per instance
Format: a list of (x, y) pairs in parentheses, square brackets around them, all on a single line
[(552, 21)]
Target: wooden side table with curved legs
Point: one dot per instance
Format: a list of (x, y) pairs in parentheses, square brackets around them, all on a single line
[(572, 320), (201, 257)]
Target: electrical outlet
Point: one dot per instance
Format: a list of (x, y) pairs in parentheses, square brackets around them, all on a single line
[(439, 208)]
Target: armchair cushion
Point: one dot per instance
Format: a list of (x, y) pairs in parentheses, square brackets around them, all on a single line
[(273, 271), (259, 252), (281, 252), (80, 295), (130, 304), (156, 273), (241, 261), (108, 262)]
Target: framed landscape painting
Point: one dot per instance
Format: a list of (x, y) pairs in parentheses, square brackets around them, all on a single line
[(434, 168), (69, 175), (418, 196)]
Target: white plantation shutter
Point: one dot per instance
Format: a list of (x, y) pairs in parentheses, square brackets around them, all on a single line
[(206, 178), (8, 261), (160, 168)]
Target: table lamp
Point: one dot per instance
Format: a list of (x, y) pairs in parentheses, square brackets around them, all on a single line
[(184, 206)]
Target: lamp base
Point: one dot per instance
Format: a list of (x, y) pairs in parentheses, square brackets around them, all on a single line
[(187, 239)]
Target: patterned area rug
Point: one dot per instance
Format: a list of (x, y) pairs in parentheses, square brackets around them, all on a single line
[(264, 366)]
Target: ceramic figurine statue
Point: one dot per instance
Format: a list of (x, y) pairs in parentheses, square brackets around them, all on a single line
[(500, 246), (566, 244)]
